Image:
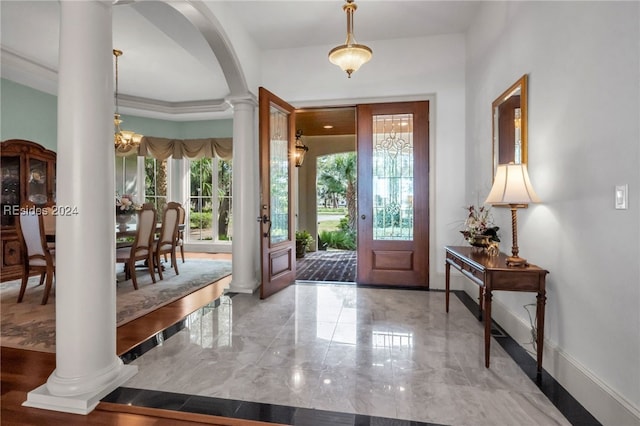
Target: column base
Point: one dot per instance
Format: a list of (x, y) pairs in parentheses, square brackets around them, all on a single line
[(77, 404), (244, 287)]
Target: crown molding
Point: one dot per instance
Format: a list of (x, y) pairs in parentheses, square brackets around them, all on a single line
[(28, 72), (173, 108)]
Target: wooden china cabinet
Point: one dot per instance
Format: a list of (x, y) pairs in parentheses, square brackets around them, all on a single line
[(28, 172)]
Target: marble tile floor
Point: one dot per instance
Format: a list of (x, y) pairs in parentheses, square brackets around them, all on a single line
[(331, 349)]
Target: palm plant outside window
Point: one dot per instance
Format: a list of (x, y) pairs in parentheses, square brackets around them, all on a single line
[(156, 179), (210, 200)]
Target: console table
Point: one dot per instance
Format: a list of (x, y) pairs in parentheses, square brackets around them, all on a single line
[(492, 273)]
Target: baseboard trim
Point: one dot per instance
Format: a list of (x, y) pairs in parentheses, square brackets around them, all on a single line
[(606, 405)]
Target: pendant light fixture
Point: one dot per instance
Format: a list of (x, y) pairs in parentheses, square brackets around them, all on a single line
[(124, 140), (350, 56)]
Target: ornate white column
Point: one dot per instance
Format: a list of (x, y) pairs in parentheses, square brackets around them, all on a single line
[(87, 367), (245, 251)]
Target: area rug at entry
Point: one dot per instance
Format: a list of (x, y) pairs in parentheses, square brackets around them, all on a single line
[(30, 325), (330, 265)]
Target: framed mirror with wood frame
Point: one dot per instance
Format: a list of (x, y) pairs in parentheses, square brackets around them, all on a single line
[(510, 125)]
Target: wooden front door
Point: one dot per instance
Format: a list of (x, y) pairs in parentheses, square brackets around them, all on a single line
[(277, 235), (393, 194)]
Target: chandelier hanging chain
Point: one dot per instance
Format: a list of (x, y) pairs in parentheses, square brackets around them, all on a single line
[(349, 8), (125, 141), (117, 54)]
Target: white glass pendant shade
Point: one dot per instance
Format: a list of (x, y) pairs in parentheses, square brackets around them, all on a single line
[(350, 56)]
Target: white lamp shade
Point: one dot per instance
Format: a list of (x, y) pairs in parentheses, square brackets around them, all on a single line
[(512, 186)]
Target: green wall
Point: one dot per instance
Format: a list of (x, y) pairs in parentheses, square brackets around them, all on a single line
[(27, 113), (150, 126), (207, 129), (178, 129)]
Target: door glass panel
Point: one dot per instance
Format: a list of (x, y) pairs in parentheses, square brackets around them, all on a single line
[(279, 175), (392, 177), (37, 190)]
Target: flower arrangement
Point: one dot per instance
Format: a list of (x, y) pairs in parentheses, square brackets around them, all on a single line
[(480, 223), (125, 205)]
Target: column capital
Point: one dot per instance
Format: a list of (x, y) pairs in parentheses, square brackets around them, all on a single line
[(246, 99)]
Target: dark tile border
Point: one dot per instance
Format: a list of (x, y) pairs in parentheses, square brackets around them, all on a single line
[(243, 410)]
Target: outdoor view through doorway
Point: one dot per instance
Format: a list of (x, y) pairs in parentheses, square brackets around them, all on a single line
[(335, 258)]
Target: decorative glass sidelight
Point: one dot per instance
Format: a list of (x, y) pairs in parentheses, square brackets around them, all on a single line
[(279, 175), (393, 215)]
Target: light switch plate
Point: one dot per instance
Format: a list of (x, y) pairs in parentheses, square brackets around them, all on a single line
[(621, 197)]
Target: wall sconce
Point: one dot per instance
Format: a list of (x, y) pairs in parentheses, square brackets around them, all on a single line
[(513, 187), (301, 149)]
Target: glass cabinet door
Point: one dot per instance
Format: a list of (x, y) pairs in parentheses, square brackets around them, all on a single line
[(37, 182), (10, 196)]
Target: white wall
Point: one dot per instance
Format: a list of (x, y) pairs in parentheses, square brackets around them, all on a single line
[(431, 68), (244, 48), (584, 94)]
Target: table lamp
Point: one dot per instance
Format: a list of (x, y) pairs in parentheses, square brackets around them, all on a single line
[(512, 186)]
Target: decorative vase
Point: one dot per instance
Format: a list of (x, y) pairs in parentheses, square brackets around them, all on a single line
[(493, 249), (301, 249), (482, 241), (123, 220)]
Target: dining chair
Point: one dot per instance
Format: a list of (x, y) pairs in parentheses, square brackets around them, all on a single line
[(180, 241), (49, 222), (167, 242), (142, 247), (36, 255)]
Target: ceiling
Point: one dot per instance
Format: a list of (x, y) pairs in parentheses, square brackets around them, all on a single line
[(161, 46), (326, 121)]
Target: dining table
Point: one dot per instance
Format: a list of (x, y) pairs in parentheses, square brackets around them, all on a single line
[(124, 237)]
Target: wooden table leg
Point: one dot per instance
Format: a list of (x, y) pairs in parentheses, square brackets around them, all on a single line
[(447, 273), (480, 301), (540, 304), (487, 326)]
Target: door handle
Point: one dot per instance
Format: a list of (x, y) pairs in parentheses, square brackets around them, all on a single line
[(265, 219), (363, 217)]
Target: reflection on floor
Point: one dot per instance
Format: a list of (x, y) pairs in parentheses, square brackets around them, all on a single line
[(337, 350)]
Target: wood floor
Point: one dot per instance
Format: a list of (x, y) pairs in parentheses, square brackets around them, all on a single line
[(23, 371)]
